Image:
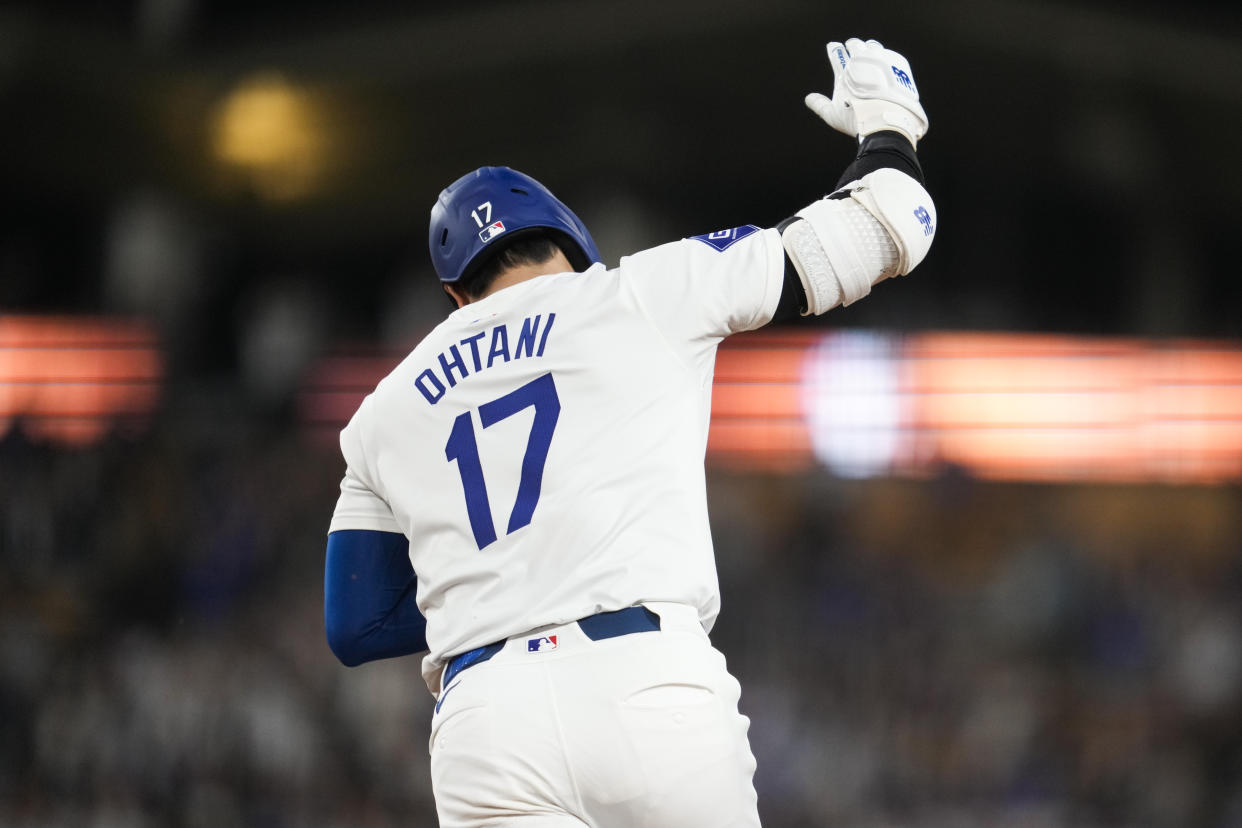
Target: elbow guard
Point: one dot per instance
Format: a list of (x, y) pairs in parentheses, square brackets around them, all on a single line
[(879, 226)]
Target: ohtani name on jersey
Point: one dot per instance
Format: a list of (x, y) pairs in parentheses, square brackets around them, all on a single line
[(483, 350)]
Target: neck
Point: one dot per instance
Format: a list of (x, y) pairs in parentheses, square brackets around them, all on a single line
[(521, 273), (515, 275)]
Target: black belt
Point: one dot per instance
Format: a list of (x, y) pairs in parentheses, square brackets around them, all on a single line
[(597, 627)]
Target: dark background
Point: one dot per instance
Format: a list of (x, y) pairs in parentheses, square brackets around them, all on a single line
[(1083, 156), (944, 652)]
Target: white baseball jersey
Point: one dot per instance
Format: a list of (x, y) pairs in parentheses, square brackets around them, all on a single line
[(542, 448)]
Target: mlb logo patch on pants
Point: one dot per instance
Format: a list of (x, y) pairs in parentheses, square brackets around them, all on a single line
[(541, 645)]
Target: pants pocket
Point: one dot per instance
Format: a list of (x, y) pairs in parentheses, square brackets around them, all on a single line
[(671, 695)]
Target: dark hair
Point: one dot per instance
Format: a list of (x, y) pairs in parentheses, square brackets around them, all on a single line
[(525, 249)]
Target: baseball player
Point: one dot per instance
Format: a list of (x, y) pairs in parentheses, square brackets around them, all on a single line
[(524, 496)]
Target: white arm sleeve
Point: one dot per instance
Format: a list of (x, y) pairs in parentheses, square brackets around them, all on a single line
[(879, 226)]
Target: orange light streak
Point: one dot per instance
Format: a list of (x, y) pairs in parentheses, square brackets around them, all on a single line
[(68, 379), (1000, 406)]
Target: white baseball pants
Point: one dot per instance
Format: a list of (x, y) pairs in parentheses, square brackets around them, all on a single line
[(637, 731)]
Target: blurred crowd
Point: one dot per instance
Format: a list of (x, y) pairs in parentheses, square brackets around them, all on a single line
[(250, 179), (943, 652)]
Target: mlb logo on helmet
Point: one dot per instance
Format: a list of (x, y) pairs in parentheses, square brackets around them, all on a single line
[(491, 231), (541, 645)]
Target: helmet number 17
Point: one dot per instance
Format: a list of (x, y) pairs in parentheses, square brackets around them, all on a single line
[(486, 209)]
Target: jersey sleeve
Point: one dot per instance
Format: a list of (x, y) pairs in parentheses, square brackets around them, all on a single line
[(360, 505), (708, 287)]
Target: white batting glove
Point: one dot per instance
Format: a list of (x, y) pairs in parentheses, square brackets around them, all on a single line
[(873, 89)]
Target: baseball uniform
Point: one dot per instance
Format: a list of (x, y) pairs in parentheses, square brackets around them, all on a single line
[(542, 449), (524, 495)]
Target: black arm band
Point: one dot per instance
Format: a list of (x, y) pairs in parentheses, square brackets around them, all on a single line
[(793, 296), (877, 151), (883, 149)]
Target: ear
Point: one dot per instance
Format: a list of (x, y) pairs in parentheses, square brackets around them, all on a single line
[(456, 295)]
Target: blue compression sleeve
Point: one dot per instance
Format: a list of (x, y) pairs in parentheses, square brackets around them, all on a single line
[(368, 597)]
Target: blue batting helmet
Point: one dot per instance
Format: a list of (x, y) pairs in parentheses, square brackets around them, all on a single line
[(492, 205)]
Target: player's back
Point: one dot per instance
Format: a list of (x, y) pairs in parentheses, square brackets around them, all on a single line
[(542, 449)]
